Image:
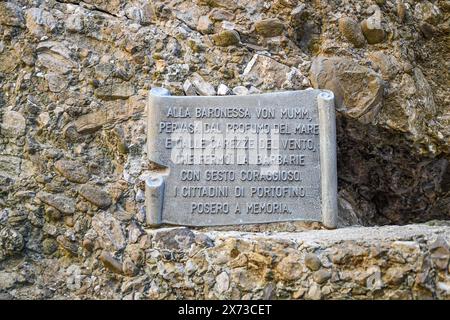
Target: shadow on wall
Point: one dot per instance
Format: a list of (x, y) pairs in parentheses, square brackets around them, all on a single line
[(381, 180)]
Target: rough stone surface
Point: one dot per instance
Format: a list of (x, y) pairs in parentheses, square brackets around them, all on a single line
[(109, 231), (312, 262), (11, 15), (226, 38), (351, 30), (73, 86), (373, 29), (268, 73), (95, 195), (201, 86), (358, 89), (269, 27), (58, 201), (72, 170), (390, 262)]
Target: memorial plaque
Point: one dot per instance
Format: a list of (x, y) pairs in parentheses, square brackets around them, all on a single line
[(242, 159)]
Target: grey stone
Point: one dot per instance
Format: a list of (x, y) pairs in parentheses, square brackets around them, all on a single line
[(223, 90), (95, 195), (11, 14), (189, 88), (173, 238), (49, 246), (75, 23), (39, 22), (253, 90), (56, 57), (203, 87), (7, 280), (205, 25), (11, 242), (109, 231), (13, 124), (56, 82), (73, 171), (6, 296), (115, 91), (58, 201), (314, 292), (440, 253), (263, 70), (427, 12), (322, 276), (135, 232), (218, 14), (222, 283), (240, 91), (312, 261), (10, 166)]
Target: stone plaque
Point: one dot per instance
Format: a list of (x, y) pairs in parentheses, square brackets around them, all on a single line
[(226, 160)]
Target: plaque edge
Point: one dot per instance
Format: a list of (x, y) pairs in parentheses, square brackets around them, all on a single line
[(328, 158)]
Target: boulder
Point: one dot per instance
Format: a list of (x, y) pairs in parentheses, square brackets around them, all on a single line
[(269, 27), (373, 29), (351, 30), (358, 90), (73, 171)]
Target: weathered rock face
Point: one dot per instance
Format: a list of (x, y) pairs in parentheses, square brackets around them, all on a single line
[(269, 27), (351, 30), (372, 28), (74, 77), (358, 90), (351, 263)]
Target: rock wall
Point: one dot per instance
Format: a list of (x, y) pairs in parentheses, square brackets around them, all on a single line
[(74, 76), (390, 262)]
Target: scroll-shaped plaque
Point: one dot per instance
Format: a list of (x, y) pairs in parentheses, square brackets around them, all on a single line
[(242, 159)]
